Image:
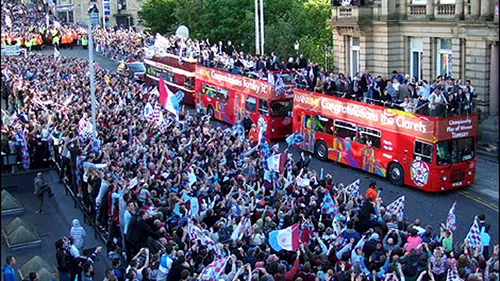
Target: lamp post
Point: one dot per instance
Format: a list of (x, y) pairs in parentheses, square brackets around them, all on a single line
[(296, 47), (257, 33), (92, 19)]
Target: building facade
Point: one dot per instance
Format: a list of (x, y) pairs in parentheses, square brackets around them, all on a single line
[(423, 38), (115, 12)]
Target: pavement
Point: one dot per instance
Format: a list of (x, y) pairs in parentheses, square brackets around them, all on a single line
[(55, 223)]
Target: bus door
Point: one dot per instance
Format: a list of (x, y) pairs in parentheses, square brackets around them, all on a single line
[(369, 139), (308, 132), (238, 105), (222, 112), (263, 121), (281, 117), (210, 93), (251, 108), (419, 172)]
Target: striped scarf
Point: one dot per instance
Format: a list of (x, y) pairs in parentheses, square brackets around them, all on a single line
[(78, 171), (21, 141)]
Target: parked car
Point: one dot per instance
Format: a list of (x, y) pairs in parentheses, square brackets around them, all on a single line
[(133, 70)]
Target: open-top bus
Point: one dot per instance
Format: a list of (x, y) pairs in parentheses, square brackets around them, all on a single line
[(432, 154), (179, 75), (227, 97)]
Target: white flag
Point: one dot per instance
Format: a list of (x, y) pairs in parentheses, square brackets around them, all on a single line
[(397, 207), (57, 54), (8, 21)]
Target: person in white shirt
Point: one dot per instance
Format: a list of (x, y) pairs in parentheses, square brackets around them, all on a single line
[(424, 90), (73, 250)]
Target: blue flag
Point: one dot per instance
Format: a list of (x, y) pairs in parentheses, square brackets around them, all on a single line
[(329, 207), (294, 139)]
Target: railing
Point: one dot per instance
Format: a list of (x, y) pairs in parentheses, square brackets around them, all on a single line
[(344, 12), (445, 10), (351, 13), (416, 11)]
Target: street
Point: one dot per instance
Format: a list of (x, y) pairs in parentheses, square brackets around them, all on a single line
[(482, 197)]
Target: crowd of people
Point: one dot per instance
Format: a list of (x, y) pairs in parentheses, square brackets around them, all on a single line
[(443, 97), (176, 195)]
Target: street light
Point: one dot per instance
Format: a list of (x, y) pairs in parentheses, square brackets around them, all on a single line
[(296, 47), (93, 18)]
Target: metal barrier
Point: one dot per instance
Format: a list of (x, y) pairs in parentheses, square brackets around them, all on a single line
[(79, 204)]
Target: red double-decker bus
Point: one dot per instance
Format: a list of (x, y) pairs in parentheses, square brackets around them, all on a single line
[(177, 74), (432, 154), (227, 97)]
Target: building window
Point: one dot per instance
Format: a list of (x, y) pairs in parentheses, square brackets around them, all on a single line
[(447, 1), (444, 57), (354, 44), (418, 2), (416, 55), (66, 16)]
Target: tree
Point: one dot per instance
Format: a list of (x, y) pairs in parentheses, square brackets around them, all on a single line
[(156, 15), (221, 20)]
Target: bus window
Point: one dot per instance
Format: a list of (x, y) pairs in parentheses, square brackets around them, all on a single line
[(210, 91), (281, 108), (222, 95), (368, 136), (189, 82), (454, 151), (423, 150), (324, 124), (169, 76), (251, 104), (345, 130), (203, 88), (263, 107), (307, 122)]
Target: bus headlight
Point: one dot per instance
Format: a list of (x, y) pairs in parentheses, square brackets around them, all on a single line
[(470, 173)]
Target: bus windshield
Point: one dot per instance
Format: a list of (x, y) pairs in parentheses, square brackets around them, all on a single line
[(281, 108), (454, 151)]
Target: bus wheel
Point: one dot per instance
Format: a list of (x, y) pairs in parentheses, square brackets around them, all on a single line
[(210, 111), (321, 151), (396, 174)]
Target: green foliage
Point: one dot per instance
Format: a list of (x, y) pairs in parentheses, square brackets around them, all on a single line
[(155, 14), (220, 20)]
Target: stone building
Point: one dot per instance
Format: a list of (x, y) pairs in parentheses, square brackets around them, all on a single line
[(118, 12), (423, 38)]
